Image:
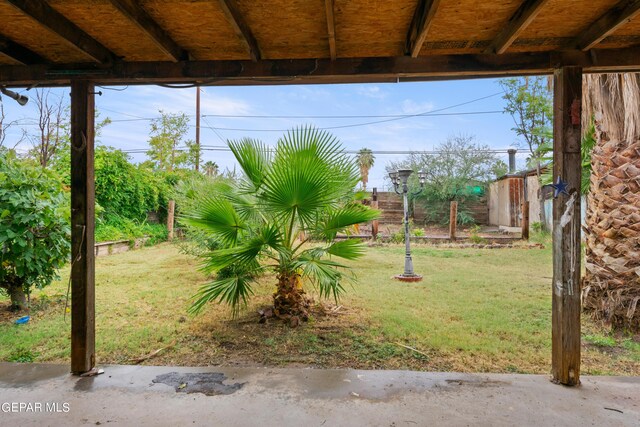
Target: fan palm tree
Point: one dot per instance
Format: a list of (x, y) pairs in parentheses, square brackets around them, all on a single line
[(210, 168), (304, 185), (611, 286), (365, 160)]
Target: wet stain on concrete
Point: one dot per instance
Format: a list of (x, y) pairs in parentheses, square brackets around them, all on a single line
[(29, 375), (476, 383), (209, 383)]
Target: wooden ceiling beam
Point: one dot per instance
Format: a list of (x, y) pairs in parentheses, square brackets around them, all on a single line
[(307, 71), (19, 53), (47, 16), (420, 24), (136, 14), (520, 20), (239, 24), (331, 27), (608, 23)]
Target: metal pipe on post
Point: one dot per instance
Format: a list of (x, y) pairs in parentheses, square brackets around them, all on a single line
[(398, 178), (408, 262), (453, 220), (512, 160)]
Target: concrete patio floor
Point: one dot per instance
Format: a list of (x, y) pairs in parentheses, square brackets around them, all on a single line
[(217, 396)]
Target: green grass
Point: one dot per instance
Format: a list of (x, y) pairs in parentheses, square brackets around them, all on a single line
[(483, 310)]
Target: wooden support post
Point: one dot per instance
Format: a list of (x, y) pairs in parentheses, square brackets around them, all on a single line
[(82, 228), (453, 220), (567, 165), (525, 220), (171, 209), (375, 224)]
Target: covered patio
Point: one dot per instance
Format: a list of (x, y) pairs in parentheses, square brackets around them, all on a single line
[(88, 43), (145, 395)]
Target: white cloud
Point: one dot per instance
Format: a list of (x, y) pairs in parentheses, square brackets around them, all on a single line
[(409, 106), (371, 92)]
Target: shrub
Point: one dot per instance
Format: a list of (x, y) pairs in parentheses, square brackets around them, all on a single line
[(34, 230)]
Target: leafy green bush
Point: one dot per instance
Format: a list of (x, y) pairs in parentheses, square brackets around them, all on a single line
[(34, 228), (120, 228), (125, 190)]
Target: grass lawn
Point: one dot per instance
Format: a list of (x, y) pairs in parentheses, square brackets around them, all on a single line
[(477, 310)]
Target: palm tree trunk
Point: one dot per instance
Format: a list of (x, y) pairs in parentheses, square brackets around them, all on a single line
[(289, 300), (611, 286)]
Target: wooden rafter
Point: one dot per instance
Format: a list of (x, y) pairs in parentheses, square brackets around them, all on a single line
[(420, 24), (604, 26), (331, 27), (136, 14), (19, 53), (525, 14), (240, 26), (47, 16), (342, 70)]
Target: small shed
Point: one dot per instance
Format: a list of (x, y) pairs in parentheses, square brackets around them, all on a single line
[(507, 194)]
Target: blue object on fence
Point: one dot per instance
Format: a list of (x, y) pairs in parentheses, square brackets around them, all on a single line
[(23, 320)]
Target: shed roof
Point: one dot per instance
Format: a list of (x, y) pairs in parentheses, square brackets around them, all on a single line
[(103, 34)]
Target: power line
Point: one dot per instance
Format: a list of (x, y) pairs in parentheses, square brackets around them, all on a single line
[(381, 152), (390, 119)]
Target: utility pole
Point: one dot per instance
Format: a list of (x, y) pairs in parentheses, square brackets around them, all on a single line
[(198, 128)]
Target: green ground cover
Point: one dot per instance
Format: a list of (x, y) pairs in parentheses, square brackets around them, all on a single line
[(477, 310)]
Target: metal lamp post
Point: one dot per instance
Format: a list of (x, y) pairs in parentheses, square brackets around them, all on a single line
[(399, 178)]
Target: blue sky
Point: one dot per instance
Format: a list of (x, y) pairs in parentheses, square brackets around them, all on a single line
[(416, 133)]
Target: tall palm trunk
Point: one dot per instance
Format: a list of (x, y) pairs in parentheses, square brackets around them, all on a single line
[(611, 286)]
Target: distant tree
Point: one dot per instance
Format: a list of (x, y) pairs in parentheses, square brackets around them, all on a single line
[(170, 151), (366, 160), (169, 148), (211, 169), (530, 104), (52, 131), (34, 230), (500, 169), (453, 174), (5, 125)]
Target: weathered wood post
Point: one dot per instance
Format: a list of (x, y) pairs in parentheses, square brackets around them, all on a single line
[(565, 341), (170, 218), (453, 220), (525, 220), (82, 227), (374, 205)]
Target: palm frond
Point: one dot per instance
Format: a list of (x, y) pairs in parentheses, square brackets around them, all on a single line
[(245, 255), (309, 172), (233, 291), (339, 219), (254, 159), (324, 274), (347, 249), (218, 216)]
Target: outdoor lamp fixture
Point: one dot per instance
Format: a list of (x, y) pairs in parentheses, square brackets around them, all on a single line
[(400, 178), (20, 99)]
